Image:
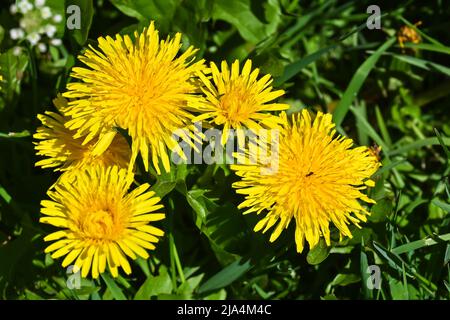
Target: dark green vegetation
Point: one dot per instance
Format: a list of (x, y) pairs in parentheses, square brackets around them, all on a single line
[(326, 59)]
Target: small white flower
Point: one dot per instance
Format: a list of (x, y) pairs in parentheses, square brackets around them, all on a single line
[(33, 38), (24, 6), (57, 18), (46, 13), (13, 9), (17, 51), (42, 47), (16, 33), (50, 30), (56, 42), (39, 3)]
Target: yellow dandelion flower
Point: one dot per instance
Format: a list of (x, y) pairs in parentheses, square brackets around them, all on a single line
[(100, 223), (140, 86), (319, 180), (63, 152), (237, 100)]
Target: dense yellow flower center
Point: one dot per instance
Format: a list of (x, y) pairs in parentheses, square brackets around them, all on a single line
[(100, 225), (236, 105)]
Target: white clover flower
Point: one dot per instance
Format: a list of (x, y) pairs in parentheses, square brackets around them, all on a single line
[(17, 51), (16, 33), (13, 9), (57, 18), (46, 13), (39, 3), (33, 38), (24, 6), (50, 30), (56, 42), (42, 47)]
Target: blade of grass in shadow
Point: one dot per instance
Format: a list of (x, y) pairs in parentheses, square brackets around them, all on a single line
[(368, 129), (226, 276), (357, 81), (383, 128), (294, 68)]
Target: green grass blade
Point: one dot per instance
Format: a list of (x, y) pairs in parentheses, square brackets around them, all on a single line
[(294, 68), (383, 128), (370, 131), (423, 64), (418, 144), (357, 81), (113, 287), (427, 47), (226, 276), (426, 242), (388, 167), (15, 135)]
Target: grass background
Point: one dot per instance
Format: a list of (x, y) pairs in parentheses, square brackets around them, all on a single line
[(326, 59)]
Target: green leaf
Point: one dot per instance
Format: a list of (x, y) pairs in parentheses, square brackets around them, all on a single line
[(161, 11), (219, 295), (319, 253), (87, 13), (344, 279), (239, 14), (226, 276), (443, 205), (227, 228), (381, 210), (167, 181), (155, 285), (113, 287), (189, 286), (12, 68), (201, 204), (397, 289), (357, 81)]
